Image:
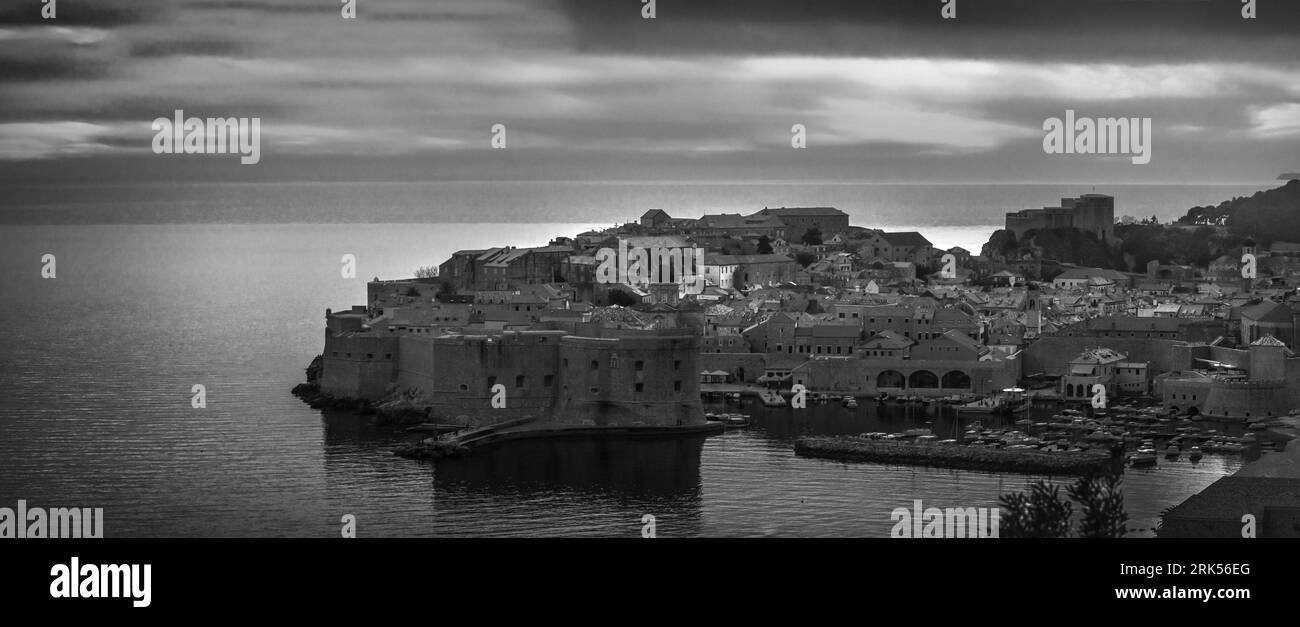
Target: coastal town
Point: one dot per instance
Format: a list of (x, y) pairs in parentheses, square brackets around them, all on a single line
[(639, 328)]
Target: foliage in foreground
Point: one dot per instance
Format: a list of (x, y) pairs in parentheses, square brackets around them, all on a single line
[(1043, 513)]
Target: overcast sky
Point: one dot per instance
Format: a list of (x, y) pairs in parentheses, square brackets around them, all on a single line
[(587, 89)]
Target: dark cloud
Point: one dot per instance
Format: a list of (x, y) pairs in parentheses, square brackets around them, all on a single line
[(1034, 29), (170, 47), (102, 13), (267, 6), (16, 68)]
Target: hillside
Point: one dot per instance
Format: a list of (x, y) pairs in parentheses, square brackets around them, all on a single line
[(1198, 237), (1064, 245), (1268, 215)]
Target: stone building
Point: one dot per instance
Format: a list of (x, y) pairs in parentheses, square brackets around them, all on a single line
[(1091, 213), (591, 376), (1262, 380), (799, 220)]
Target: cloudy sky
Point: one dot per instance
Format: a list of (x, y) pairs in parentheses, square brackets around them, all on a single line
[(588, 89)]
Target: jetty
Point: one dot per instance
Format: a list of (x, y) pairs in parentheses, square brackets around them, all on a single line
[(952, 455), (466, 441)]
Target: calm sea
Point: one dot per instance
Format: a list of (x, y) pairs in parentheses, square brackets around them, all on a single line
[(95, 409)]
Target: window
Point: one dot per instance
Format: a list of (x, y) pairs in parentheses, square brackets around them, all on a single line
[(640, 365), (640, 387), (388, 355), (548, 380), (677, 387), (677, 365), (464, 388), (613, 361), (491, 382), (566, 362), (595, 365), (519, 381), (595, 390)]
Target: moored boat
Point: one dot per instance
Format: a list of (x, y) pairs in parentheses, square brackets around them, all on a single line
[(1144, 456)]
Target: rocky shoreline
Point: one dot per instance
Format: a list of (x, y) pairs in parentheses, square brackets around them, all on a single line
[(430, 448), (397, 410)]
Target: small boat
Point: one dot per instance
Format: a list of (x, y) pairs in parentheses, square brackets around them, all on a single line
[(823, 398), (1195, 453), (735, 420), (850, 402), (1172, 451), (1145, 456), (771, 399)]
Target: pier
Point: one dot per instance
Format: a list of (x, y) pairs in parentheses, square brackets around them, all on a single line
[(952, 455), (465, 442)]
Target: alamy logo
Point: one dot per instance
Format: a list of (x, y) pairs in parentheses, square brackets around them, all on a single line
[(1098, 396), (640, 267), (952, 522), (101, 581), (1101, 136), (58, 522), (1249, 266), (212, 136)]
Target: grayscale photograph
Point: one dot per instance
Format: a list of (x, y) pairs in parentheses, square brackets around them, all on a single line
[(643, 269)]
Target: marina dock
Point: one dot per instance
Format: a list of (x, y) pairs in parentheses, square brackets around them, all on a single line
[(952, 455)]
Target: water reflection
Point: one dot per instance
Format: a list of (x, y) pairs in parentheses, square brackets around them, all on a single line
[(649, 468)]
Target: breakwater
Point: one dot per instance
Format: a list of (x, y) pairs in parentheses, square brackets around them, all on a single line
[(1025, 461)]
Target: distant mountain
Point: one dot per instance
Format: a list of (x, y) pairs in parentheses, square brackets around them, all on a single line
[(1291, 176)]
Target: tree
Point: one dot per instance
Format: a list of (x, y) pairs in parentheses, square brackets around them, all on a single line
[(426, 272), (1039, 514), (764, 245), (805, 259), (1103, 506), (812, 237), (1042, 513)]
